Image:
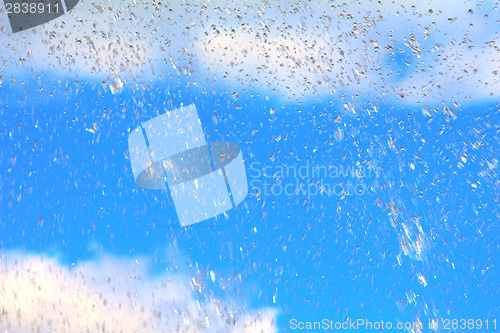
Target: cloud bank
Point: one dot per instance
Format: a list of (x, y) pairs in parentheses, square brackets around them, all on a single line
[(416, 52), (115, 295)]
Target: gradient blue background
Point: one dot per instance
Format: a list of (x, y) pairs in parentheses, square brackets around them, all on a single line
[(70, 193)]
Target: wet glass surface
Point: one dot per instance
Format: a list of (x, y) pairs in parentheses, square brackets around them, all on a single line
[(366, 135)]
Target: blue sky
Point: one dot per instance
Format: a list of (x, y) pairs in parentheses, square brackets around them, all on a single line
[(420, 243), (322, 257)]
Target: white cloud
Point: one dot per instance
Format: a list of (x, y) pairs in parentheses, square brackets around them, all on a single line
[(114, 295), (297, 49)]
